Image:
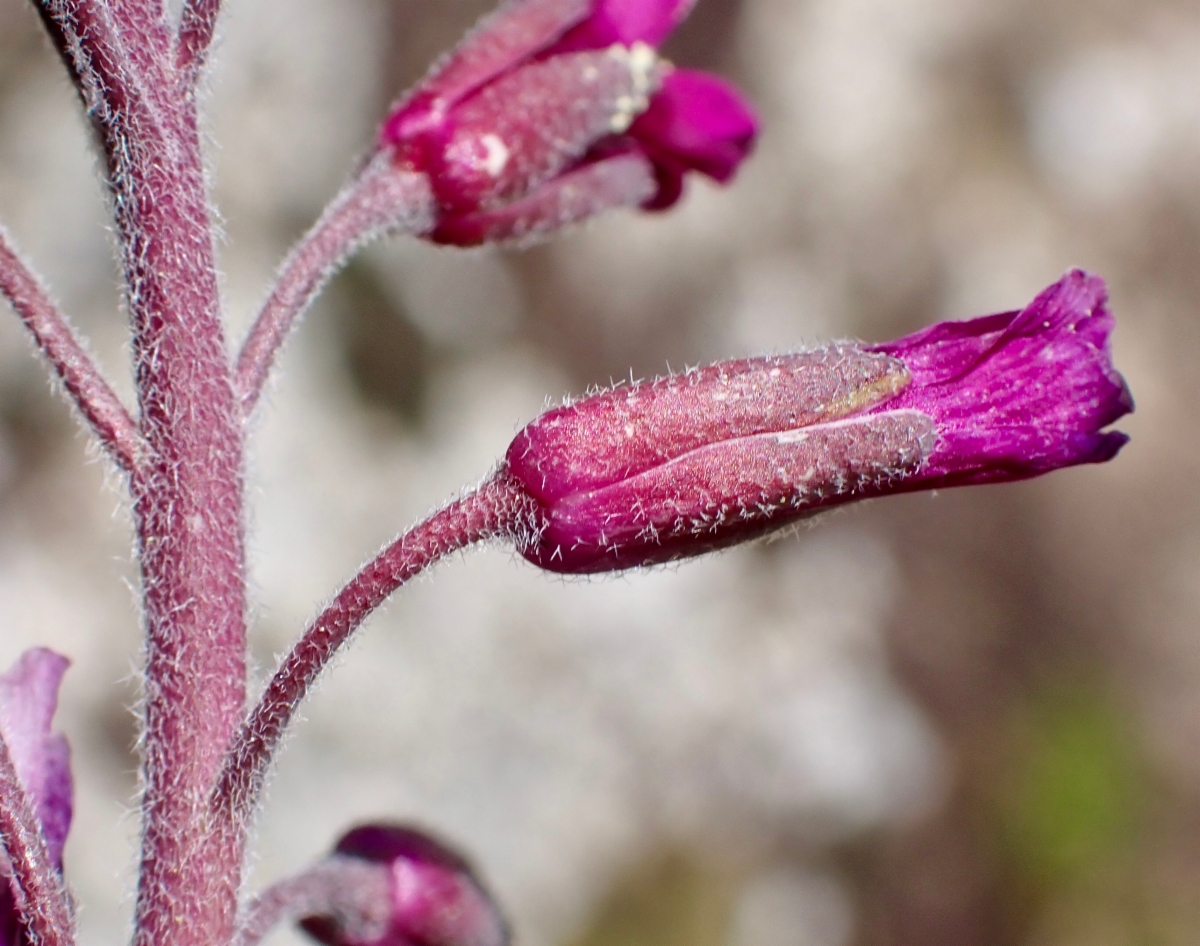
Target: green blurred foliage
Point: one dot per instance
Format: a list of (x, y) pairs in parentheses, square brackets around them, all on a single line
[(1073, 810), (1070, 808), (674, 901)]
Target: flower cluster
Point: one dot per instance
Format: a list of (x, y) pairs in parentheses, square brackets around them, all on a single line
[(549, 112)]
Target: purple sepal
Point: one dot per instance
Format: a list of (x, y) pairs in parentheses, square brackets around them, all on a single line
[(521, 131), (28, 699), (1017, 394), (679, 466), (515, 32), (436, 898), (622, 180)]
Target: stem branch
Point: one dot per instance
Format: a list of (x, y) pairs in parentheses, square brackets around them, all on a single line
[(80, 375), (355, 891), (197, 24), (381, 199), (499, 507)]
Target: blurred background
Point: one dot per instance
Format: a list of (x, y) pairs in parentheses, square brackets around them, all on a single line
[(970, 718)]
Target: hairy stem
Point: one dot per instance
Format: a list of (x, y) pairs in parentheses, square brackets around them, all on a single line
[(355, 891), (144, 26), (197, 24), (188, 506), (500, 507), (83, 33), (42, 899), (80, 375), (187, 497), (381, 199)]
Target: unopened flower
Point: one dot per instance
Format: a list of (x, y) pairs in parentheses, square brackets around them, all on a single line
[(28, 699), (554, 110), (679, 466), (434, 897)]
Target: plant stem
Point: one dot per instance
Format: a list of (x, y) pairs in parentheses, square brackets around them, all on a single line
[(187, 506), (94, 64), (80, 375), (499, 507), (197, 23), (380, 199), (41, 898), (353, 890)]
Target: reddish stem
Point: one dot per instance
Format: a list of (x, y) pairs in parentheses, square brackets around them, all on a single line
[(42, 900), (500, 507), (197, 24), (145, 30), (80, 375), (356, 891), (187, 497), (95, 65), (188, 506), (381, 199)]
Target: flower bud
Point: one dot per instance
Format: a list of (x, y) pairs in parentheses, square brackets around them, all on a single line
[(661, 470), (554, 110), (435, 898), (528, 126), (689, 463)]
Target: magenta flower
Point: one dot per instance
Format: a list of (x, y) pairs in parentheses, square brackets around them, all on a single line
[(553, 110), (679, 466), (436, 900), (28, 699), (1018, 394)]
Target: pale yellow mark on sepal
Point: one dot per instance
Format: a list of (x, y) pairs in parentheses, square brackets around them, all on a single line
[(645, 69)]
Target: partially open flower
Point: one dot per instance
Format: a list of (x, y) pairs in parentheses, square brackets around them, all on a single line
[(554, 110), (434, 898), (28, 699), (679, 466)]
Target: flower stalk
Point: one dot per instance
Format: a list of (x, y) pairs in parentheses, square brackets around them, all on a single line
[(81, 378), (381, 199), (353, 890), (498, 508), (187, 486), (197, 24)]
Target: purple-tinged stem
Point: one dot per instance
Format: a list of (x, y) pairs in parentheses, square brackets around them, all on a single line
[(381, 199), (187, 495), (41, 898), (197, 24), (356, 891), (187, 490), (86, 38), (80, 375), (145, 27), (499, 507), (188, 507)]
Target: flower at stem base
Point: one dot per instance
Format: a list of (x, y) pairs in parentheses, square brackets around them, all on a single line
[(554, 110), (662, 470), (28, 699)]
